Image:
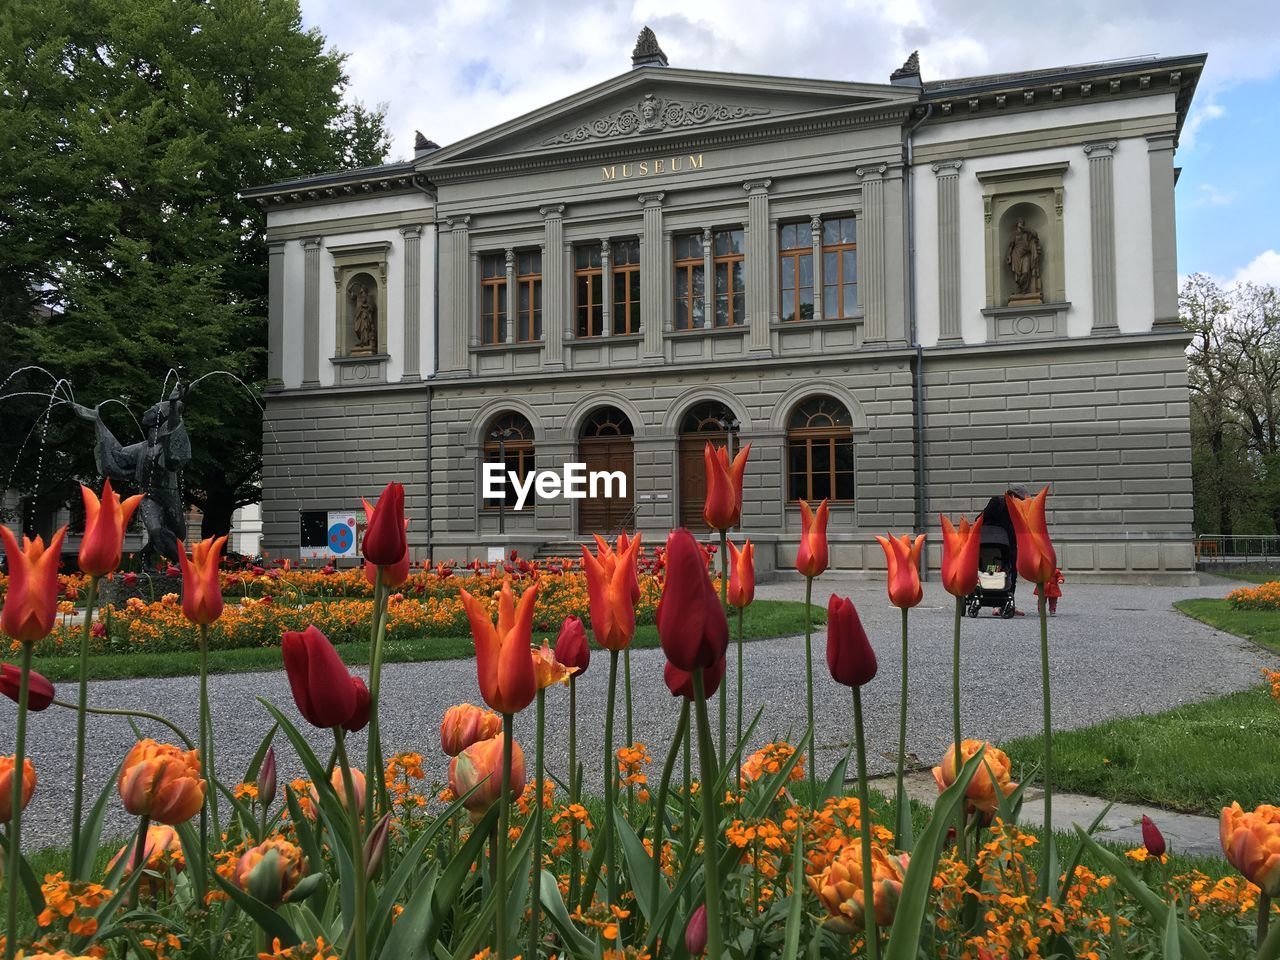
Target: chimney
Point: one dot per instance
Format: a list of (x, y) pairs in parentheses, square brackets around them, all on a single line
[(908, 75), (647, 52), (422, 146)]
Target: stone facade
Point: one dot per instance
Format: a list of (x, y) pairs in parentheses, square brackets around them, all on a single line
[(949, 389)]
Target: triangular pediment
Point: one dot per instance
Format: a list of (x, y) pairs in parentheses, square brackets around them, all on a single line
[(659, 103)]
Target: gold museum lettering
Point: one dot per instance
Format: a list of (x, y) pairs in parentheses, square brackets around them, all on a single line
[(647, 168)]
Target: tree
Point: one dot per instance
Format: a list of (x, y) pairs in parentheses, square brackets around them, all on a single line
[(126, 129)]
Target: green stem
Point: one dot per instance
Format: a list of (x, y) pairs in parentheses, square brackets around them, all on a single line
[(113, 712), (610, 781), (724, 602), (631, 739), (575, 879), (955, 719), (15, 821), (808, 665), (738, 740), (686, 828), (902, 744), (1050, 883), (373, 761), (660, 811), (77, 809), (710, 822), (1264, 916), (358, 934), (864, 819), (206, 738), (500, 854), (536, 879), (139, 855)]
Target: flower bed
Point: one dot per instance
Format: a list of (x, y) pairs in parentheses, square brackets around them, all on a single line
[(1263, 597)]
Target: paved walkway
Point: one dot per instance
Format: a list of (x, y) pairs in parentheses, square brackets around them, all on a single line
[(1115, 651)]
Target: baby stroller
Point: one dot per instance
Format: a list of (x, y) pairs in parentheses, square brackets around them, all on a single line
[(995, 574)]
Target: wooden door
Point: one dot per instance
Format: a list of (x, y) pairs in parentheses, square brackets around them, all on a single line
[(606, 515), (693, 477)]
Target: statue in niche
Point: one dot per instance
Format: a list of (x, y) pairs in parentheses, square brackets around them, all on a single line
[(364, 317), (1023, 258)]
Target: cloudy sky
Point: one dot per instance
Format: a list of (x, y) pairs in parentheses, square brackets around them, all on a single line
[(454, 67)]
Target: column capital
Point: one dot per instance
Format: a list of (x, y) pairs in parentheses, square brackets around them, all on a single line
[(411, 230), (311, 243), (815, 225), (757, 188), (1104, 148), (1162, 141), (276, 247), (552, 210), (872, 171), (650, 200), (947, 168), (706, 237), (461, 221)]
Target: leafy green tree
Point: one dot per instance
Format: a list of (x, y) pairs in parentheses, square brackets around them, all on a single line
[(126, 129)]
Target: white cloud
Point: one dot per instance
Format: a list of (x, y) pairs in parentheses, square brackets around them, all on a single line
[(1264, 269), (1199, 114), (1211, 196), (454, 67)]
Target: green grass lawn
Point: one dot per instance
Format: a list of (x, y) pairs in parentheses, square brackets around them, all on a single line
[(1260, 626), (764, 619)]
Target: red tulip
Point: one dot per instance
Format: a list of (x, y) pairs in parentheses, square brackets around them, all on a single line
[(1152, 838), (1037, 561), (903, 559), (723, 507), (742, 574), (680, 682), (572, 648), (31, 605), (960, 555), (505, 668), (320, 681), (395, 575), (613, 589), (384, 540), (850, 657), (104, 527), (811, 556), (39, 690), (690, 619), (359, 718), (201, 587)]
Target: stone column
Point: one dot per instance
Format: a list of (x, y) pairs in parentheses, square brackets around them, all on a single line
[(275, 312), (815, 238), (606, 291), (872, 239), (708, 279), (652, 269), (462, 323), (947, 173), (511, 295), (1164, 245), (412, 362), (311, 312), (757, 272), (664, 292), (553, 269), (1102, 233)]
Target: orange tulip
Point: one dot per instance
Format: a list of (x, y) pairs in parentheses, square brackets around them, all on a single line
[(6, 786), (548, 669), (268, 878), (811, 557), (481, 765), (960, 555), (1251, 844), (201, 589), (723, 507), (507, 680), (1037, 560), (339, 785), (104, 526), (840, 887), (465, 724), (159, 781), (989, 781), (31, 605), (742, 574), (903, 559), (613, 589), (163, 850)]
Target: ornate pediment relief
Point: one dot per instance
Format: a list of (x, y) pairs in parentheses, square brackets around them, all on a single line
[(654, 114)]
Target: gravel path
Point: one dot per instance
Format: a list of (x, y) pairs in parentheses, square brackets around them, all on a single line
[(1116, 650)]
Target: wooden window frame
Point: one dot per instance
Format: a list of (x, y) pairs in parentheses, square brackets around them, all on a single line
[(692, 267), (522, 448), (582, 279), (627, 311), (728, 260), (530, 319), (491, 324), (830, 435), (840, 310), (796, 254)]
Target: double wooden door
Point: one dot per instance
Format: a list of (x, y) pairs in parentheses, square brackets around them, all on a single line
[(693, 476), (600, 514)]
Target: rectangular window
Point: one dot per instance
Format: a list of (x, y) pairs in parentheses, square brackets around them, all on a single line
[(517, 458), (839, 267), (795, 242), (493, 298), (529, 296), (625, 269), (588, 291), (689, 282), (730, 293)]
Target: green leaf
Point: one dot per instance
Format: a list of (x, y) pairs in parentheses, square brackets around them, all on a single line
[(1074, 860), (577, 943), (459, 868), (91, 829), (255, 765), (1172, 929), (272, 923), (1270, 948), (29, 883), (409, 935), (640, 866), (835, 782), (792, 947)]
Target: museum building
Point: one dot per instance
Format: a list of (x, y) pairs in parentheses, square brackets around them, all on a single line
[(904, 296)]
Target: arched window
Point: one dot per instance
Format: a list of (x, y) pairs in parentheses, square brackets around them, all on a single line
[(710, 416), (508, 439), (607, 422), (820, 451)]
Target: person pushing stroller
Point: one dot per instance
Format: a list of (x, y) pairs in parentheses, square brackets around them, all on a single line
[(999, 550)]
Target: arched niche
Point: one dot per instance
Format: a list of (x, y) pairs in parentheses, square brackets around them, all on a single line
[(1033, 194)]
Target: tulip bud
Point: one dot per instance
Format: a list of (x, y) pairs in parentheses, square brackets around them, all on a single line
[(465, 724), (1152, 838), (812, 554), (850, 657), (691, 622), (267, 778), (384, 538), (39, 690), (375, 847), (360, 715), (695, 934), (572, 648), (320, 682), (680, 682), (6, 785), (270, 870)]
